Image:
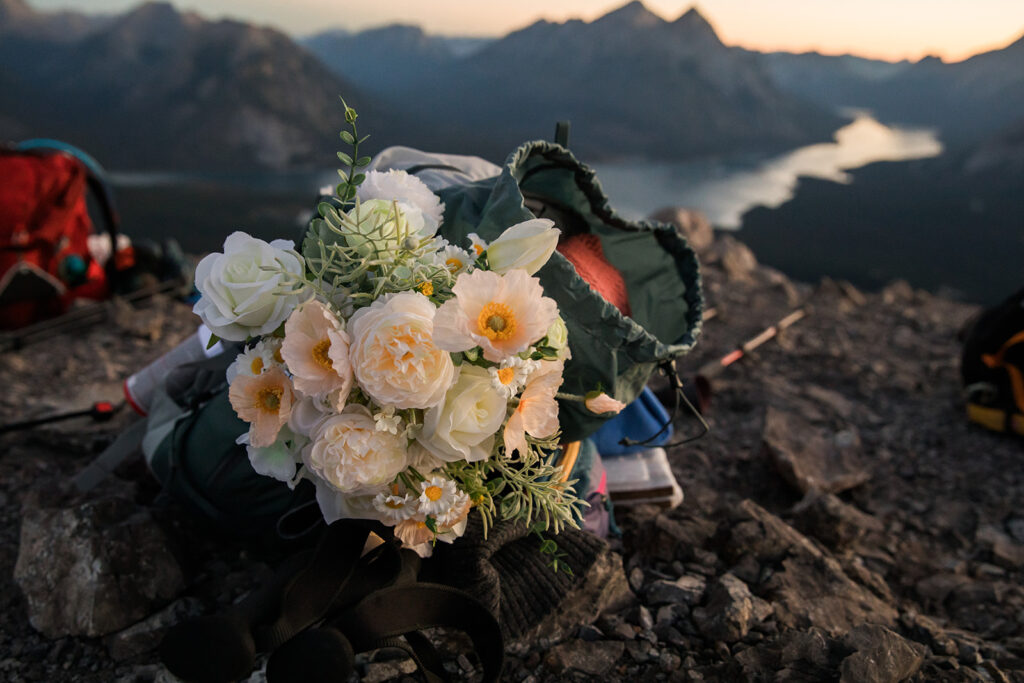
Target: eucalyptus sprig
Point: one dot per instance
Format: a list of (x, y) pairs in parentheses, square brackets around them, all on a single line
[(352, 178)]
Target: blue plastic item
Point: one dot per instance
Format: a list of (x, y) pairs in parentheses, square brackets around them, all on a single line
[(639, 421)]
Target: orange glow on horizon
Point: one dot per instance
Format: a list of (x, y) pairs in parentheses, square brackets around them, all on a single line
[(881, 29)]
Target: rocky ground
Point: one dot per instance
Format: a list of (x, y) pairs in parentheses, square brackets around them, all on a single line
[(842, 520)]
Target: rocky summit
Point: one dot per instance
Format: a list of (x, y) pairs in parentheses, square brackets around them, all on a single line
[(841, 521)]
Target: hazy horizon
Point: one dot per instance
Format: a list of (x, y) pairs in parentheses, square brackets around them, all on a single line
[(879, 29)]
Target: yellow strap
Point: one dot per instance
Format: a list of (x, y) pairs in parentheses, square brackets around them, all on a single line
[(995, 419), (1016, 377), (989, 418)]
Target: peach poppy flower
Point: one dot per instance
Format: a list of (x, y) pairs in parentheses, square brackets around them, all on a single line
[(502, 314), (537, 412), (414, 532), (315, 348), (265, 402)]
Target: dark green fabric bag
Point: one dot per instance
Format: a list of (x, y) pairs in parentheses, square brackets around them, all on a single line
[(190, 448), (659, 268)]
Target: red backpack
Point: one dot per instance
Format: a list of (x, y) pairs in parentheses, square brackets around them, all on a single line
[(45, 261)]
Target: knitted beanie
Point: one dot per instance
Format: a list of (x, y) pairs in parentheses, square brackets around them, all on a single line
[(508, 573), (585, 253)]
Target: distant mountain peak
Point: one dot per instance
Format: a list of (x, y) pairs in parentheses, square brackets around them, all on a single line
[(695, 24), (634, 14), (15, 10)]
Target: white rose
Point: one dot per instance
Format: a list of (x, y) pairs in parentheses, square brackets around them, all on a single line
[(239, 298), (526, 245), (411, 192), (463, 426), (379, 226), (352, 455), (393, 354)]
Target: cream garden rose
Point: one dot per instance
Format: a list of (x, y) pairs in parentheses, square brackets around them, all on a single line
[(378, 226), (353, 455), (463, 426), (409, 191), (393, 353), (241, 296)]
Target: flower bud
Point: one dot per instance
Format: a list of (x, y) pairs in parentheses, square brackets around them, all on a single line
[(526, 246), (600, 403)]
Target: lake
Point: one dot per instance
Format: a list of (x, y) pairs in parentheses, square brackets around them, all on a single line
[(200, 209), (726, 189)]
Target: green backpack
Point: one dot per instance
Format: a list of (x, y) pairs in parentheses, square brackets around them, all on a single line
[(659, 268)]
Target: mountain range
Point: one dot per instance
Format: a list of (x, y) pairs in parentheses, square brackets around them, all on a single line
[(632, 83), (155, 88), (966, 101), (160, 89)]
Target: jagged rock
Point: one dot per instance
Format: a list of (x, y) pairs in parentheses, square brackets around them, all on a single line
[(666, 538), (938, 587), (595, 658), (807, 656), (808, 458), (93, 569), (378, 672), (729, 611), (880, 656), (1005, 551), (927, 631), (735, 257), (687, 590), (807, 587), (146, 635), (691, 224), (833, 522)]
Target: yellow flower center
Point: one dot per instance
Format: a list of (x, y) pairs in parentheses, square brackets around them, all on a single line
[(269, 399), (257, 365), (277, 355), (320, 356), (506, 375), (496, 321), (433, 493), (454, 264), (427, 288), (478, 249), (394, 504)]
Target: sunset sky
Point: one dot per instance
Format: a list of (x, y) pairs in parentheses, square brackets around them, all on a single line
[(888, 29)]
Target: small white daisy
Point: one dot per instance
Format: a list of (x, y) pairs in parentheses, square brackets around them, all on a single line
[(437, 496), (394, 508), (454, 259), (254, 360), (479, 246), (510, 376)]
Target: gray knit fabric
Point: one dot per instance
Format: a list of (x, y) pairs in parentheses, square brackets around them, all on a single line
[(508, 573)]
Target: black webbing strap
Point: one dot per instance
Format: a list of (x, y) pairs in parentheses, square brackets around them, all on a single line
[(309, 595), (400, 610)]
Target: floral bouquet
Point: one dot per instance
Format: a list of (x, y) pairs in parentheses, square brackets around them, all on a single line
[(411, 380)]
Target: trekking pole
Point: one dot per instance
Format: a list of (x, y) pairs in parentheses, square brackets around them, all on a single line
[(101, 411), (713, 368)]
